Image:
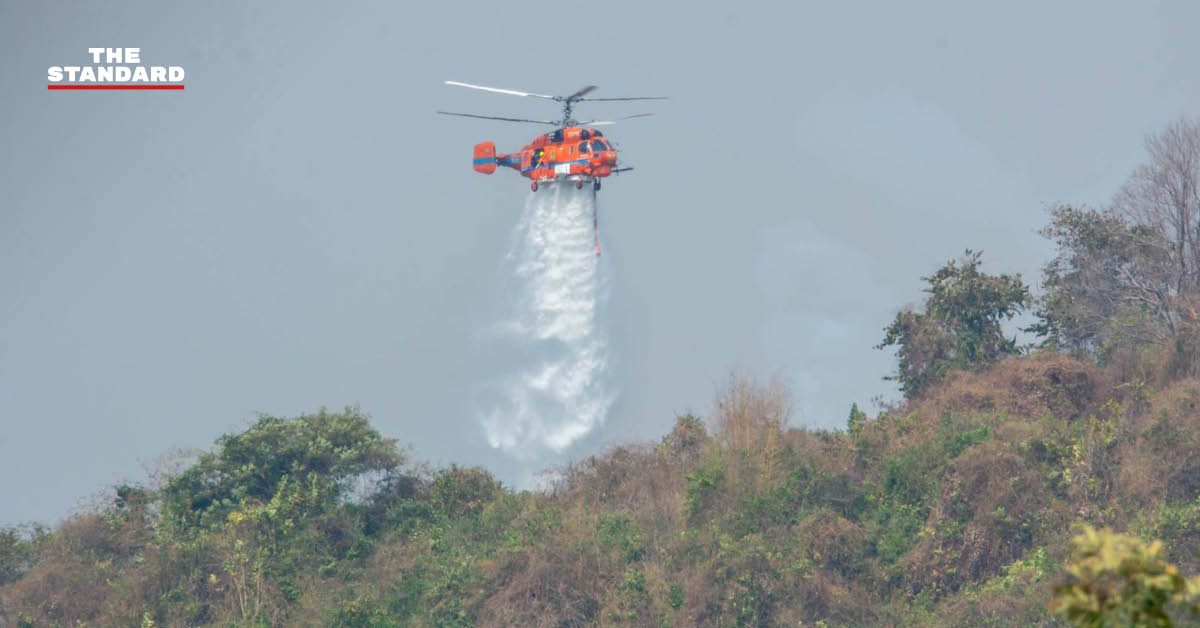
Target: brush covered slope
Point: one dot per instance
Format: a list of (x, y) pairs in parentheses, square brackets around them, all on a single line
[(952, 509), (974, 502)]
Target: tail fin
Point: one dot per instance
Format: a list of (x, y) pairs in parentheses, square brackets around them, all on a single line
[(485, 158)]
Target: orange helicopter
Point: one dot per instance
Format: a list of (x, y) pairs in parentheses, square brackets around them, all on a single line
[(572, 152)]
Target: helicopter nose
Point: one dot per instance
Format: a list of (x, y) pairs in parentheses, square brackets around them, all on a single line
[(610, 157)]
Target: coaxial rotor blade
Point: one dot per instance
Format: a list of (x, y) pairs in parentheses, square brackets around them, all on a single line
[(471, 115), (497, 90), (629, 98), (579, 94), (604, 122)]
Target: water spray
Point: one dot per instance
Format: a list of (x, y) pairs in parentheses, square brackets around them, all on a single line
[(558, 390)]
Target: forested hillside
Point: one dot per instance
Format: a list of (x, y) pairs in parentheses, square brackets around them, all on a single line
[(987, 497)]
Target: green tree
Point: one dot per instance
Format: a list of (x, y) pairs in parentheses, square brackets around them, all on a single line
[(856, 420), (1111, 283), (329, 449), (1119, 580), (18, 550), (1130, 275), (960, 327)]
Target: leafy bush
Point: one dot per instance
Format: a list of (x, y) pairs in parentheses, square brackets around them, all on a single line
[(1117, 580)]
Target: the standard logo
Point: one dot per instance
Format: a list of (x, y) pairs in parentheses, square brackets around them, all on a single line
[(130, 74)]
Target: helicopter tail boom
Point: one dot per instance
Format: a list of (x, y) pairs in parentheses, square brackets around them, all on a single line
[(485, 158)]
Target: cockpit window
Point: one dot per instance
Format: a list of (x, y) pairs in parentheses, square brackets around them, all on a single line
[(597, 145), (585, 134), (597, 133), (583, 147)]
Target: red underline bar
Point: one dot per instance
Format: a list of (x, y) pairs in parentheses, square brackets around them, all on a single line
[(114, 87)]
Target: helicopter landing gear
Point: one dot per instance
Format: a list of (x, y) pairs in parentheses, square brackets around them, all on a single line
[(533, 186), (579, 184), (596, 185)]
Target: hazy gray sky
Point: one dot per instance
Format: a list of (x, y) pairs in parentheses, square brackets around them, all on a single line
[(298, 229)]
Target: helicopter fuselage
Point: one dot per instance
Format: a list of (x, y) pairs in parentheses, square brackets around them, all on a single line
[(577, 153)]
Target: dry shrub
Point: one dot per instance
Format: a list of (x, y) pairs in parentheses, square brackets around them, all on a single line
[(612, 479), (832, 542), (636, 599), (751, 417), (998, 499), (71, 581), (686, 442), (634, 479), (828, 451), (1022, 603), (1161, 363), (820, 597), (1161, 463), (547, 587), (587, 567), (1031, 386), (746, 584), (1005, 606), (755, 593)]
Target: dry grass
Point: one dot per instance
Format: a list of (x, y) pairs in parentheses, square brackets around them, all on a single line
[(1031, 386)]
